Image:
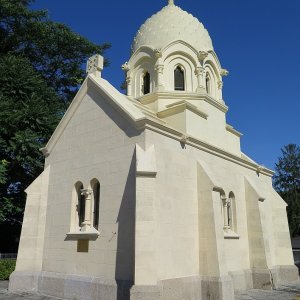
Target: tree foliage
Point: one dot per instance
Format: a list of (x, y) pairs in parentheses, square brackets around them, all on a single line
[(41, 70), (287, 184)]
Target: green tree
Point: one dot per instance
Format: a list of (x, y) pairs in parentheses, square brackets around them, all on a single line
[(287, 184), (41, 70), (52, 48)]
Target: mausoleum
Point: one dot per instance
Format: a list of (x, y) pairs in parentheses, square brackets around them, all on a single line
[(148, 195)]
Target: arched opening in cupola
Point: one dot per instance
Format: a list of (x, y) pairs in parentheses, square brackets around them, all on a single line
[(146, 83), (179, 81)]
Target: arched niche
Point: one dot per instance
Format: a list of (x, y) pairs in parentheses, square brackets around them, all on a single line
[(170, 65), (144, 66), (96, 188), (212, 78)]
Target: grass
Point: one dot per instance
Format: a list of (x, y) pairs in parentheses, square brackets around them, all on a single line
[(7, 266)]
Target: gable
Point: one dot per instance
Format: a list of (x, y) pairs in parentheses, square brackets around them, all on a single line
[(103, 92)]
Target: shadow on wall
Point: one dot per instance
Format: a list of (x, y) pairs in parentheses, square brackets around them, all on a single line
[(126, 232), (111, 112)]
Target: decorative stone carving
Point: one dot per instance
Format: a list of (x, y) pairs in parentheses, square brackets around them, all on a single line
[(224, 72), (125, 67), (95, 64), (199, 71), (158, 53), (86, 193), (202, 55), (184, 138)]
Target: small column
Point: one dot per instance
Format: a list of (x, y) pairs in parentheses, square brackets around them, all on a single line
[(220, 88), (223, 73), (200, 73), (159, 68), (129, 84), (226, 205), (125, 67), (86, 225)]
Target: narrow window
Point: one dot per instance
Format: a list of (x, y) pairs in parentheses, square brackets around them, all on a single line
[(232, 213), (146, 83), (96, 192), (179, 79), (208, 90), (80, 204)]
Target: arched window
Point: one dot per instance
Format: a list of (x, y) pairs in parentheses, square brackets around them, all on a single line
[(179, 84), (96, 193), (146, 83), (80, 203), (208, 84)]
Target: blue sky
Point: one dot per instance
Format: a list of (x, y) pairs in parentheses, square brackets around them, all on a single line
[(258, 41)]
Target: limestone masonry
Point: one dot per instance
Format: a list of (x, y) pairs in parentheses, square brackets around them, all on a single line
[(148, 195)]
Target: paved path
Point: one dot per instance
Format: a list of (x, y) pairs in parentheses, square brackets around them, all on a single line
[(289, 291), (5, 295)]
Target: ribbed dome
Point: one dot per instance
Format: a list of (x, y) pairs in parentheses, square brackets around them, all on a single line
[(172, 24)]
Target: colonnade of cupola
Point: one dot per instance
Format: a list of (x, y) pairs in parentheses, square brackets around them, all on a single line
[(177, 68)]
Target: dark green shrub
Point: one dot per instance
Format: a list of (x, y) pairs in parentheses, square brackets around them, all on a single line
[(7, 266)]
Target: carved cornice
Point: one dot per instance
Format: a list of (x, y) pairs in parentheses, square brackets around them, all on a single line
[(158, 53), (181, 106), (152, 97), (232, 130)]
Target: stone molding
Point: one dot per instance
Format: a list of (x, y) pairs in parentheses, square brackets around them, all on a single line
[(177, 107), (152, 97), (234, 131)]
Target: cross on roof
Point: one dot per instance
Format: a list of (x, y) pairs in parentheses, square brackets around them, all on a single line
[(171, 2)]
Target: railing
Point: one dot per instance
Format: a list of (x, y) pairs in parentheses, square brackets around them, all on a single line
[(8, 255)]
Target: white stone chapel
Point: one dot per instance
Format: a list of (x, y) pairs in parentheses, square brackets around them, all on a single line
[(147, 195)]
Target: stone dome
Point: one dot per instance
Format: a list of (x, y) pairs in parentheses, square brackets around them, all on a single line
[(172, 24)]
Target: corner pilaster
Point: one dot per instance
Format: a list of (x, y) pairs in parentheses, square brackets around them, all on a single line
[(145, 248)]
